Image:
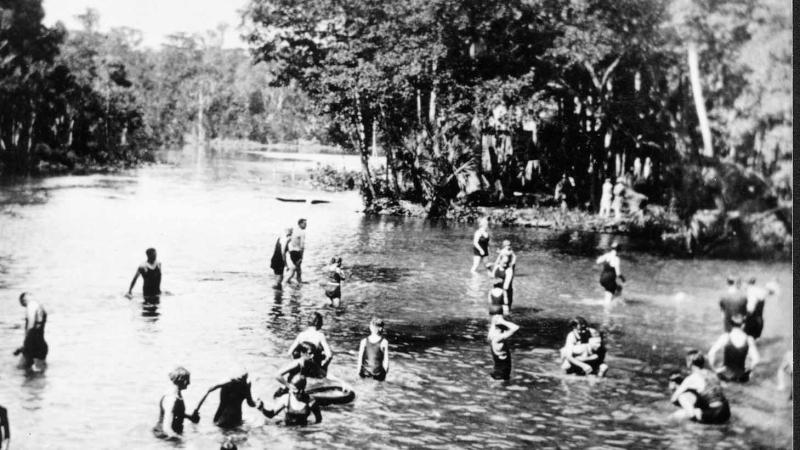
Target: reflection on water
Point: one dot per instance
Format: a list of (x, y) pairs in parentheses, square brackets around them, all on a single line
[(74, 241)]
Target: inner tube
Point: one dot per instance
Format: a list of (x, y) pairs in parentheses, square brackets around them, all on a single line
[(331, 393)]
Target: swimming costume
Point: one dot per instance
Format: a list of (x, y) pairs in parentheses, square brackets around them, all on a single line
[(608, 278), (229, 411), (297, 416), (178, 413), (483, 243), (151, 277), (734, 359), (754, 322), (296, 256), (731, 305), (333, 289), (277, 263), (495, 303), (502, 362), (372, 361)]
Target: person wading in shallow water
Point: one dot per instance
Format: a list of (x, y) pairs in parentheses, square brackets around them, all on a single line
[(297, 247), (733, 302), (499, 332), (150, 271), (736, 348), (480, 243), (279, 257), (699, 395), (231, 395), (611, 276), (503, 271), (373, 353), (172, 409), (315, 340), (34, 348)]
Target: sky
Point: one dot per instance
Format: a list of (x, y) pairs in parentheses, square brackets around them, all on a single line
[(155, 18)]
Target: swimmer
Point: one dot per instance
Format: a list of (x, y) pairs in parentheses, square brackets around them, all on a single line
[(733, 302), (296, 402), (480, 243), (279, 259), (333, 287), (170, 425), (500, 330), (611, 277), (505, 249), (229, 444), (699, 395), (34, 348), (503, 271), (736, 348), (584, 351), (297, 247), (373, 353), (786, 370), (498, 300), (5, 430), (150, 271), (318, 344), (756, 298), (231, 395)]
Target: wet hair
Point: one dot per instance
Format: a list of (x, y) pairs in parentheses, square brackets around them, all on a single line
[(22, 296), (179, 375), (578, 320), (333, 260), (695, 358), (301, 220), (150, 252), (506, 243), (376, 322), (315, 320), (338, 260)]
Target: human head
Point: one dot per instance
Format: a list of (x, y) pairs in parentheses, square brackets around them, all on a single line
[(302, 224), (315, 320), (506, 244), (695, 359), (483, 222), (730, 280), (151, 254), (180, 377), (578, 323), (23, 299), (288, 231), (376, 325), (614, 246), (333, 260)]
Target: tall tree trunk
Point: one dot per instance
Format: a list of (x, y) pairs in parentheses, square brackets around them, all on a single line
[(699, 102), (363, 149), (30, 132)]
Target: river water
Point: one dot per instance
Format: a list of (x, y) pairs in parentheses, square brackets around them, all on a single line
[(74, 242)]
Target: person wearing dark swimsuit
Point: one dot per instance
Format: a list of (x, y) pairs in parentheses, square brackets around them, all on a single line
[(699, 395), (333, 287), (480, 243), (279, 257), (150, 272), (499, 332), (34, 348), (231, 395), (172, 409), (756, 298), (736, 347), (611, 276), (498, 300), (503, 272), (733, 302), (296, 402), (373, 353)]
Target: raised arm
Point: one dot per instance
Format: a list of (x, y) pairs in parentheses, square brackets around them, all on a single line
[(200, 403)]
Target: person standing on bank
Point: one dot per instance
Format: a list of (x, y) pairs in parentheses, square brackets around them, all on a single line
[(172, 409), (150, 271), (611, 277), (500, 330), (279, 259), (480, 243), (34, 348), (297, 246), (373, 353)]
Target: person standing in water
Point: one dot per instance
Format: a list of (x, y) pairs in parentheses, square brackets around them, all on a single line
[(296, 402), (736, 348), (280, 257), (611, 275), (756, 298), (231, 395), (333, 287), (150, 271), (480, 243), (172, 409), (699, 395), (732, 303), (297, 247), (316, 341), (5, 430), (500, 330), (373, 353), (786, 372), (34, 348), (503, 271), (605, 199), (498, 300)]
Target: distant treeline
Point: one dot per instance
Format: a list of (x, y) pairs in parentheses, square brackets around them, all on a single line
[(86, 99), (480, 98)]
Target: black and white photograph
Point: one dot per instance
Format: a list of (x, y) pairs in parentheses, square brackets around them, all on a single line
[(396, 224)]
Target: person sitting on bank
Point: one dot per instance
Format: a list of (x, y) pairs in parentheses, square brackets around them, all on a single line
[(296, 402), (316, 340), (498, 300), (584, 351), (34, 348), (373, 353), (231, 395), (333, 287), (150, 270), (736, 348), (280, 257), (500, 330), (172, 409), (699, 395)]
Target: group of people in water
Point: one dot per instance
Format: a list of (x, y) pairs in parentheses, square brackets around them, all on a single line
[(699, 394)]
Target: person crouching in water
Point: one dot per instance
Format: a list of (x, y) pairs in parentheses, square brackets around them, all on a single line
[(583, 352), (231, 395), (611, 277), (34, 348), (499, 332), (373, 353), (172, 409), (700, 394), (736, 347), (333, 287), (297, 403)]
